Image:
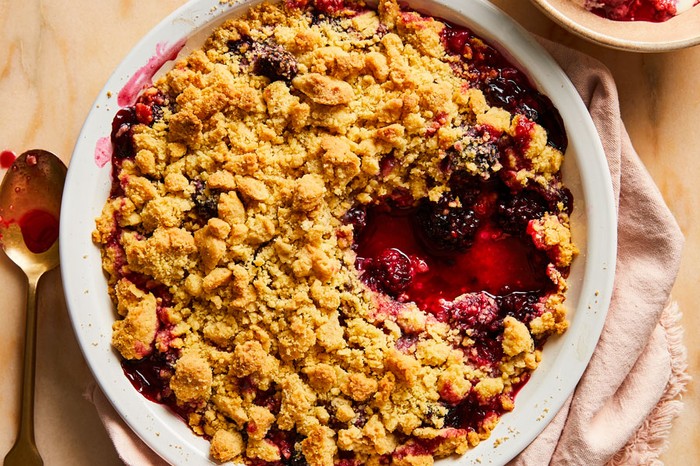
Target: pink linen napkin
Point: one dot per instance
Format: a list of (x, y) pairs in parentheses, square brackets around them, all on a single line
[(620, 412)]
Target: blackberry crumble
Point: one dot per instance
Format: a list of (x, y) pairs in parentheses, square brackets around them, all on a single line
[(337, 236)]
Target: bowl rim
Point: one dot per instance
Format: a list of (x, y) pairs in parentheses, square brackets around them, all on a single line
[(85, 290), (587, 30)]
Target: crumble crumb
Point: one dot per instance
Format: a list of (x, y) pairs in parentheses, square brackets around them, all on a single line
[(133, 336), (225, 445), (516, 337), (192, 380)]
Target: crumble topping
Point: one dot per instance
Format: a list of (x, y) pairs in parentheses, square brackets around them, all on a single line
[(283, 201)]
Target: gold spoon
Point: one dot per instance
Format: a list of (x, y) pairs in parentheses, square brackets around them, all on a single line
[(30, 203)]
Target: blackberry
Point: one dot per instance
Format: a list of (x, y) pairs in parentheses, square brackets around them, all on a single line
[(357, 217), (559, 199), (464, 414), (521, 305), (269, 60), (156, 113), (274, 62), (468, 414), (507, 90), (240, 46), (511, 91), (471, 412), (514, 212), (466, 187), (390, 272), (481, 147), (444, 226), (206, 202)]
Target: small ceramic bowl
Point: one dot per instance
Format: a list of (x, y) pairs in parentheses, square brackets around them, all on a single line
[(679, 32)]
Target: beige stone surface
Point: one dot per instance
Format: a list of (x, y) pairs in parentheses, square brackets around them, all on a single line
[(56, 56)]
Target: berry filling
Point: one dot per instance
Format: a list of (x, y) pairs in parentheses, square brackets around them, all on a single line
[(502, 83), (636, 10), (472, 240), (147, 109)]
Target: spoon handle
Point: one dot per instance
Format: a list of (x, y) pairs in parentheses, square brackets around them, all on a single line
[(24, 451)]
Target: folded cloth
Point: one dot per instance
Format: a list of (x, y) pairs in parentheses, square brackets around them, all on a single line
[(621, 410)]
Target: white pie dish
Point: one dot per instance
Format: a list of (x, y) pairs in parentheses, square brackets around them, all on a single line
[(593, 221)]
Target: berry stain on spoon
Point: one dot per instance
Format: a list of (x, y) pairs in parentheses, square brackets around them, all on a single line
[(6, 158), (39, 230)]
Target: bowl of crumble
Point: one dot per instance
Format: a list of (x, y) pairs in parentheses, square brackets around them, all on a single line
[(638, 26), (328, 232)]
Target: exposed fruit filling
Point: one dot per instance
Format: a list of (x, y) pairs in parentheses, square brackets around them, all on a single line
[(655, 11), (337, 236)]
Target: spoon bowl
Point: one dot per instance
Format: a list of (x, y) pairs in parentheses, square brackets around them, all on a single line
[(30, 202)]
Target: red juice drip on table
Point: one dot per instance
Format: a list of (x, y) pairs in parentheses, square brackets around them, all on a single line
[(39, 230), (6, 158)]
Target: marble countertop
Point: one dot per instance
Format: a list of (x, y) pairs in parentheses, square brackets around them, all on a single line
[(55, 58)]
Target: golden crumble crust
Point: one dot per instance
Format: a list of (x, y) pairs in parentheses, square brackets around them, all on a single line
[(192, 380), (231, 221), (133, 336), (226, 445)]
